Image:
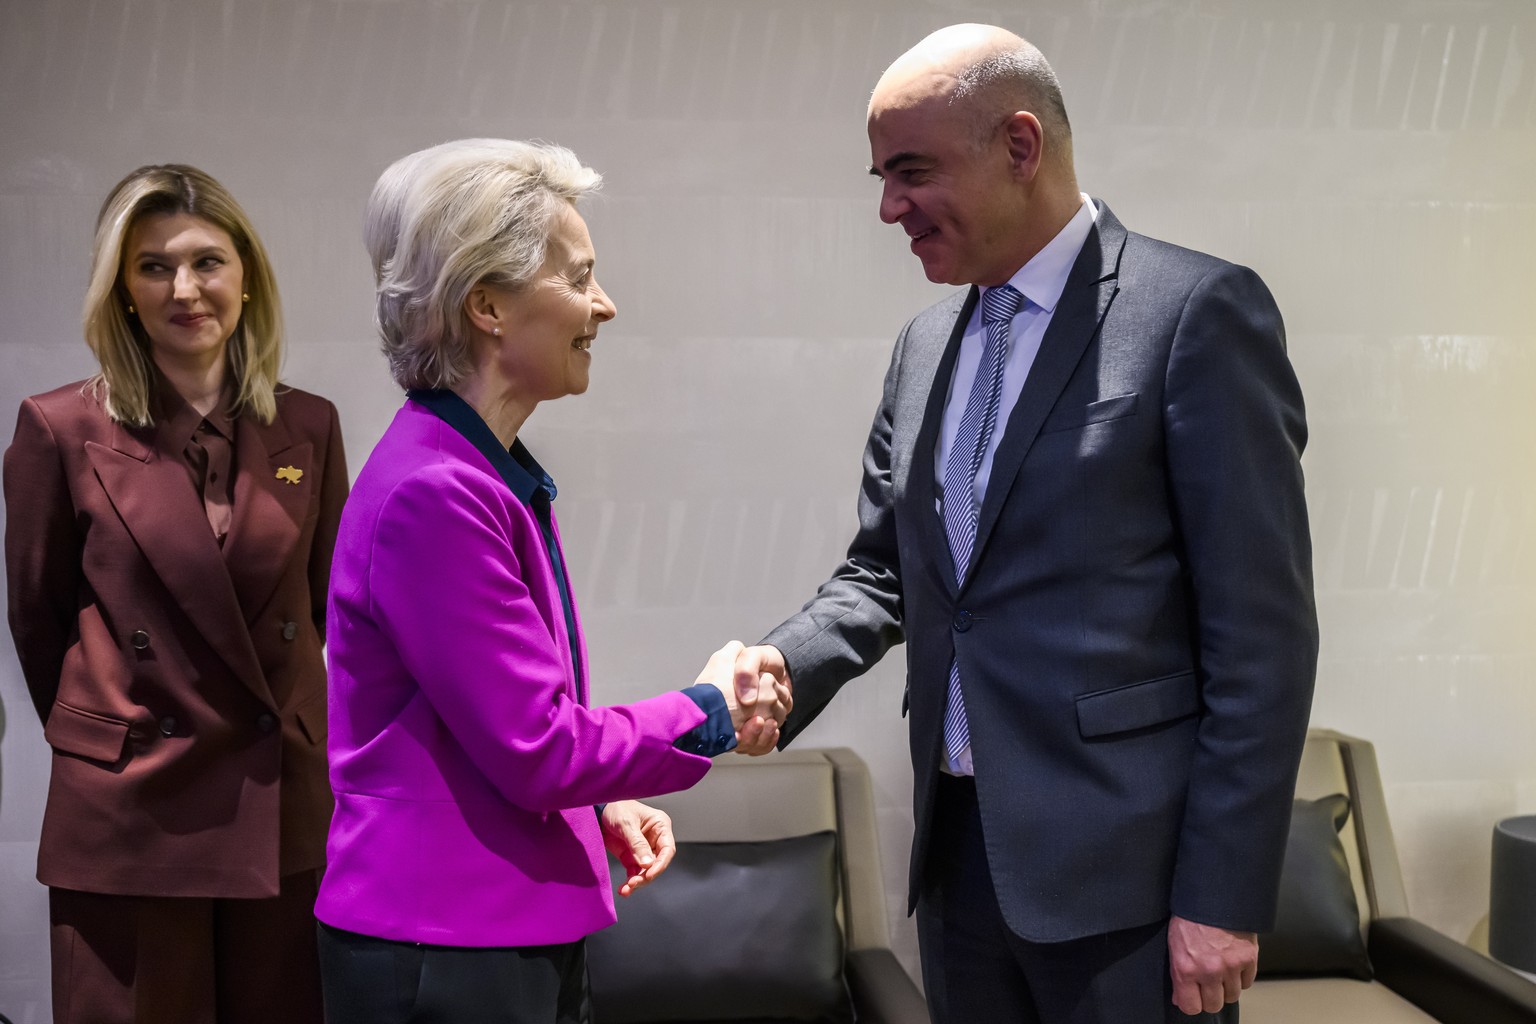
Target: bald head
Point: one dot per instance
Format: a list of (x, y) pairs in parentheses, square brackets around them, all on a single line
[(970, 141), (979, 74)]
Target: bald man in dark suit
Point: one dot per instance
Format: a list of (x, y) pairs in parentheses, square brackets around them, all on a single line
[(1082, 509)]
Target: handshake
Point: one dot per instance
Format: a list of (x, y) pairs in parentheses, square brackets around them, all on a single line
[(756, 686)]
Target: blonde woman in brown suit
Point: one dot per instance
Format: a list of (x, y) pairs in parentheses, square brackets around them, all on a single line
[(169, 526)]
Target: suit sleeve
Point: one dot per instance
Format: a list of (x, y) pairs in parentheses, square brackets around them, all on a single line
[(333, 495), (447, 589), (856, 616), (43, 548), (1235, 429)]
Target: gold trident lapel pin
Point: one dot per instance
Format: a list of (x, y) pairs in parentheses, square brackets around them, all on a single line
[(292, 474)]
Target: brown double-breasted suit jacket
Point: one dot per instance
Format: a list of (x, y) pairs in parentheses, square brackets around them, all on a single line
[(181, 686)]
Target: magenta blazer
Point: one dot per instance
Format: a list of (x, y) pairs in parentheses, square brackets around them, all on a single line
[(464, 758)]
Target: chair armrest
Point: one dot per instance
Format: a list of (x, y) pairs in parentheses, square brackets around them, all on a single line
[(1449, 981), (882, 992)]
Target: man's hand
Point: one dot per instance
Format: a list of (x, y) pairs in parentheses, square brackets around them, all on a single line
[(1210, 966), (756, 710), (641, 837), (760, 671)]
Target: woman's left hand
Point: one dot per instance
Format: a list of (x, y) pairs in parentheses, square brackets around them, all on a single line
[(641, 837)]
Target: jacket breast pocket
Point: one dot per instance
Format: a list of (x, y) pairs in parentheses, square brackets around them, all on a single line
[(86, 734), (1094, 412), (1137, 706)]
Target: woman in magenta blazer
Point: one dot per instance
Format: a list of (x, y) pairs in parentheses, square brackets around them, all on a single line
[(466, 860)]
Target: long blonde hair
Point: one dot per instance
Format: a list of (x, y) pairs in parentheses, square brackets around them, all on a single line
[(121, 347)]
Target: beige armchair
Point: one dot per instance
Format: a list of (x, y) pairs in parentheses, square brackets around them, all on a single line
[(757, 802), (1420, 976)]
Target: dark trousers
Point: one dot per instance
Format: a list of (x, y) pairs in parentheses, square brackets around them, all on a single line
[(975, 969), (185, 960), (381, 981)]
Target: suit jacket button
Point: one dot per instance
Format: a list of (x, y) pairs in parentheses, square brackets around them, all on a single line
[(290, 630), (168, 725), (962, 621), (139, 639), (266, 721)]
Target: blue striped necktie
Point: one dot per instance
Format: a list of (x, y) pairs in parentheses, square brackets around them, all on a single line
[(961, 507)]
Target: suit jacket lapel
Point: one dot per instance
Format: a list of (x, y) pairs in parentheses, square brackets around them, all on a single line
[(1090, 288), (273, 485), (148, 488), (924, 485)]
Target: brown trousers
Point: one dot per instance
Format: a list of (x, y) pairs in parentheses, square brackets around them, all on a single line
[(184, 960)]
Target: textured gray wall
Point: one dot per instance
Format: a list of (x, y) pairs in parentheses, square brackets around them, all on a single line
[(1375, 160)]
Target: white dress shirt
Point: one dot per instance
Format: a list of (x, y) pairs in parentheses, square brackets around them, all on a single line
[(1041, 282)]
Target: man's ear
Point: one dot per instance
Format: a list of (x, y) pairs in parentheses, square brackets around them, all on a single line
[(1025, 139), (485, 309)]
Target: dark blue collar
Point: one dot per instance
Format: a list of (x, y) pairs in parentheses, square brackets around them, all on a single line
[(520, 471)]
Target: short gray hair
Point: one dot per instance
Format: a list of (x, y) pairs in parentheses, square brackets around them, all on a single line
[(1010, 80), (381, 220), (445, 219)]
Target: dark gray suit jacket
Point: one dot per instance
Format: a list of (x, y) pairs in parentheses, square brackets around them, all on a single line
[(1136, 636)]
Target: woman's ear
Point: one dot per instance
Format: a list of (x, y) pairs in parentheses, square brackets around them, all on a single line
[(485, 308)]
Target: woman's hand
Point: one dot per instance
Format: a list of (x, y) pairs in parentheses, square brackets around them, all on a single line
[(641, 837)]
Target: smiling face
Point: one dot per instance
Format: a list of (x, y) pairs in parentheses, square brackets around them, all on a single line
[(551, 322), (960, 203), (184, 278)]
